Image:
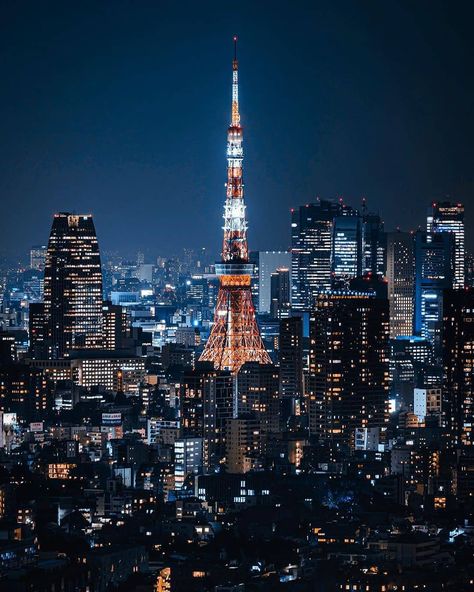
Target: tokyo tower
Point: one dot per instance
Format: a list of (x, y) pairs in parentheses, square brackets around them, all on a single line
[(235, 336)]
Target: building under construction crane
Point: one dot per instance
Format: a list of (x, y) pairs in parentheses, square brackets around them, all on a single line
[(235, 336)]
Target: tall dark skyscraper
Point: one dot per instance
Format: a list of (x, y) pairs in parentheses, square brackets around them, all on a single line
[(434, 273), (349, 367), (458, 362), (400, 277), (373, 244), (449, 217), (72, 286), (280, 293), (311, 246), (290, 359)]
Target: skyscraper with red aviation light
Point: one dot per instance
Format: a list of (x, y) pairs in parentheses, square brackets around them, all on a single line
[(235, 336)]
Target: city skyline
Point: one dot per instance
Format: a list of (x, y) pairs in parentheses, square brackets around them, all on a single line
[(252, 417), (131, 146)]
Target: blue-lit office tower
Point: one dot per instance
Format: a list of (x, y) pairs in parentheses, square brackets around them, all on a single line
[(374, 245), (449, 217), (346, 248), (311, 245), (434, 273)]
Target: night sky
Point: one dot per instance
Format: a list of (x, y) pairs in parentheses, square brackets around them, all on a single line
[(121, 109)]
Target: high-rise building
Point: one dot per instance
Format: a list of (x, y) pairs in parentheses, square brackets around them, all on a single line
[(290, 357), (116, 326), (36, 330), (267, 264), (280, 293), (401, 282), (434, 273), (257, 389), (373, 245), (206, 404), (188, 459), (449, 217), (243, 443), (38, 257), (346, 247), (72, 286), (458, 362), (235, 336), (349, 367), (311, 246)]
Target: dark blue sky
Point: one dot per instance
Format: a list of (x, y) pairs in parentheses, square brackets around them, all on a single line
[(121, 108)]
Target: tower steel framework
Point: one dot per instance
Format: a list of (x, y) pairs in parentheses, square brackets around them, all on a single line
[(235, 336)]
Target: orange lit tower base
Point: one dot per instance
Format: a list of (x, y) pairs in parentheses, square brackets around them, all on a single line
[(235, 337)]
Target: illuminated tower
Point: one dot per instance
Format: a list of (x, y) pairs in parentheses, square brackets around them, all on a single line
[(235, 337)]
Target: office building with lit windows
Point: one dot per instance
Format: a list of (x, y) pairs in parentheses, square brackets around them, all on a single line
[(400, 278), (349, 367), (290, 361), (206, 404), (449, 217), (72, 286), (280, 293), (346, 248), (434, 273), (374, 245), (458, 363), (311, 246), (257, 389)]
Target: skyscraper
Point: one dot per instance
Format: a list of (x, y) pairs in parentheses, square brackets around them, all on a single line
[(290, 358), (311, 245), (207, 403), (349, 367), (449, 217), (235, 336), (346, 248), (400, 277), (280, 293), (72, 286), (373, 244), (434, 273), (458, 362), (258, 394)]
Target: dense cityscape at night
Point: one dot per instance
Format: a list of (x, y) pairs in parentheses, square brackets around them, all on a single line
[(181, 419)]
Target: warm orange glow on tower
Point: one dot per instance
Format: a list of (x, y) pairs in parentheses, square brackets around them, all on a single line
[(235, 337)]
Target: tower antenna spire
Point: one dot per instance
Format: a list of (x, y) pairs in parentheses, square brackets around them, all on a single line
[(235, 87)]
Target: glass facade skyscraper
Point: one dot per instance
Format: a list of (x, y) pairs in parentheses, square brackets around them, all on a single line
[(347, 248), (400, 273), (311, 245), (434, 273), (449, 217), (72, 286)]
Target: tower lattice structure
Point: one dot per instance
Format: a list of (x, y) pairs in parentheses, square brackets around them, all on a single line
[(235, 336)]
